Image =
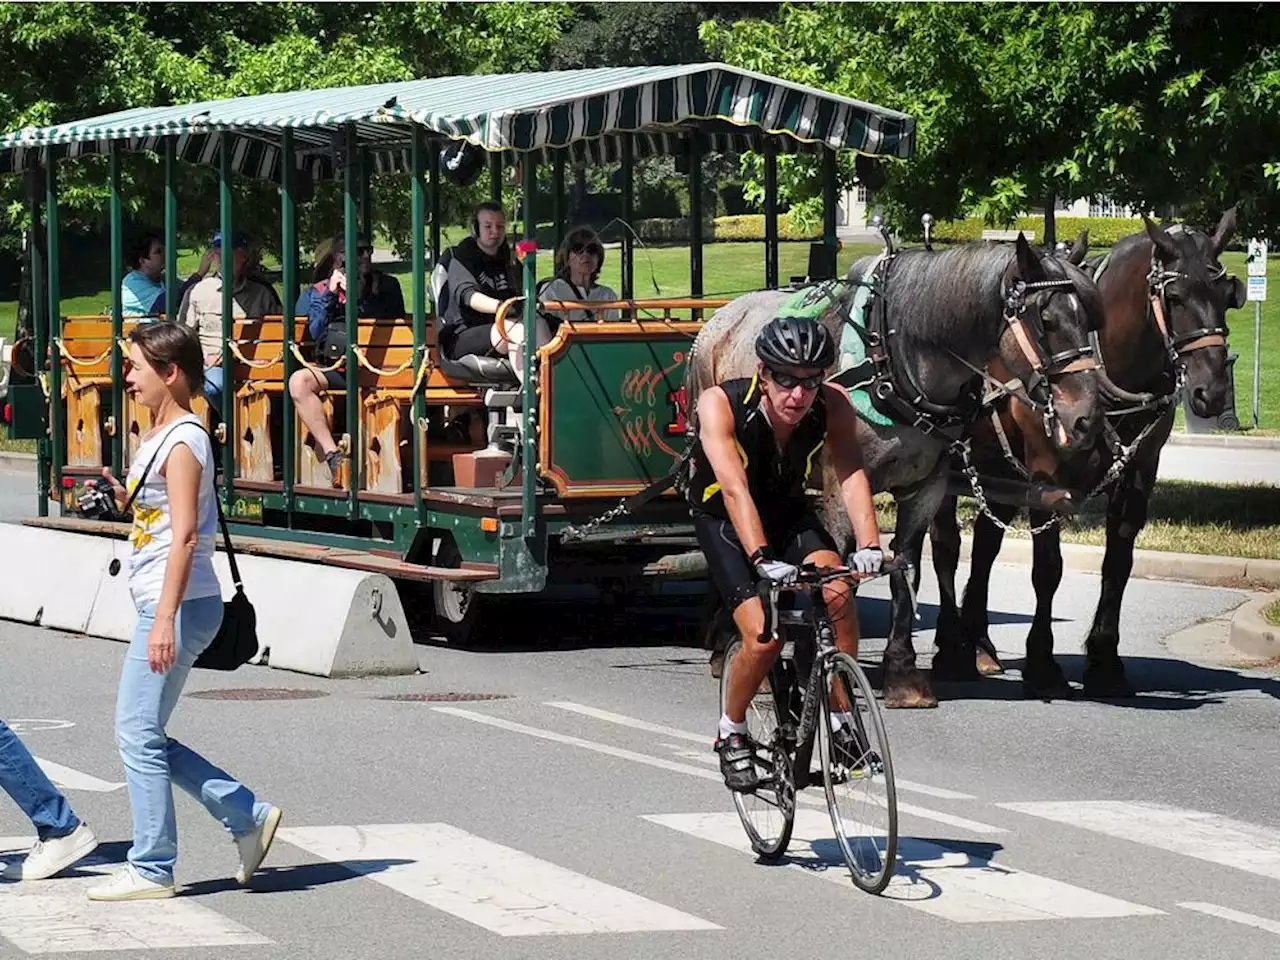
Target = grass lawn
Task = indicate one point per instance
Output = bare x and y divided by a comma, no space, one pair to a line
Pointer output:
21,446
1233,520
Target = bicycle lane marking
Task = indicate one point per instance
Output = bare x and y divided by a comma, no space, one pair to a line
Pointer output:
909,786
954,881
973,826
1235,916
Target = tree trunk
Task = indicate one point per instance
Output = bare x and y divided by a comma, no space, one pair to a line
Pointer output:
1050,222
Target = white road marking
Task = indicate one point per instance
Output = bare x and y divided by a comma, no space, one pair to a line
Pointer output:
501,889
55,916
1236,916
907,785
71,779
28,725
973,826
1191,833
945,882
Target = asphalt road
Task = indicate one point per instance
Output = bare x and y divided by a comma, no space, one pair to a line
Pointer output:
581,814
1220,464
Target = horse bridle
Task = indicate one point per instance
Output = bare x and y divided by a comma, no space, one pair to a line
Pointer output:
1045,367
1158,279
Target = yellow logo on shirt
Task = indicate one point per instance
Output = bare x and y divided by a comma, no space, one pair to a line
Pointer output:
144,520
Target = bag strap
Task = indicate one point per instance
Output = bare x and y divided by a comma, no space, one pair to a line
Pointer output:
222,521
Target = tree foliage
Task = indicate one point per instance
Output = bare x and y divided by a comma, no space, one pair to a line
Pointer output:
1156,105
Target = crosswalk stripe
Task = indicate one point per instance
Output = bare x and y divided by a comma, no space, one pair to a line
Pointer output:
70,778
973,826
948,882
56,916
501,889
1236,916
624,721
1191,833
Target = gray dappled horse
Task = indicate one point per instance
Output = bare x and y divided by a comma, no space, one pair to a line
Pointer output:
1166,295
946,315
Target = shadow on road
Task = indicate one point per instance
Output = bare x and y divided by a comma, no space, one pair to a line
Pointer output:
305,876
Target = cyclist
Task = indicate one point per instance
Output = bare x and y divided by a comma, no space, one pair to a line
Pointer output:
757,453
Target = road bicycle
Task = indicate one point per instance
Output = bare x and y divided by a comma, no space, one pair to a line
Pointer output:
811,682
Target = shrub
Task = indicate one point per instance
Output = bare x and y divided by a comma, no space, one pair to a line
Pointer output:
745,228
1103,231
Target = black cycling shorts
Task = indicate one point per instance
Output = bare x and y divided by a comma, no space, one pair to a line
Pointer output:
731,571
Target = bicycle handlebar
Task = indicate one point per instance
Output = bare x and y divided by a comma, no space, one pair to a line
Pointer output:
812,574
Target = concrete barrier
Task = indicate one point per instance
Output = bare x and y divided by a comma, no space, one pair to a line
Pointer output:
313,619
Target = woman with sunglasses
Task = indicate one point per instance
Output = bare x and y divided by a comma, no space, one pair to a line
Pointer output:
379,297
577,266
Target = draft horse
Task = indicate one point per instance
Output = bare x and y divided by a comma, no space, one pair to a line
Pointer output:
935,321
1166,296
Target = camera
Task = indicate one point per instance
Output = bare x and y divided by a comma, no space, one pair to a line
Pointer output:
98,502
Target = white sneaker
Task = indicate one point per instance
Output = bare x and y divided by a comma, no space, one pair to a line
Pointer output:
126,884
49,857
253,847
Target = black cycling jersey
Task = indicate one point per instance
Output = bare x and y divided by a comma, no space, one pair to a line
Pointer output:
776,478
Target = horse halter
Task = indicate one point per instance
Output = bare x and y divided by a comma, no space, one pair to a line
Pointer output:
1045,368
1158,279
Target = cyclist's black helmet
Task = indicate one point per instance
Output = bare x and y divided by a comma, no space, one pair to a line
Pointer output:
795,342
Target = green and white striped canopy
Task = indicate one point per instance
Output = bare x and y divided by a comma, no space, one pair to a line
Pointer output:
587,113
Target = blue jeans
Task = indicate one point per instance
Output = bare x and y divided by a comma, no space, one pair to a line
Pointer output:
154,762
213,381
22,779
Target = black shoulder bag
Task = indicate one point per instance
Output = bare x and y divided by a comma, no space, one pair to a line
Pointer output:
236,642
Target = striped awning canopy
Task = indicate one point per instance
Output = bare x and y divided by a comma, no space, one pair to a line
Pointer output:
584,112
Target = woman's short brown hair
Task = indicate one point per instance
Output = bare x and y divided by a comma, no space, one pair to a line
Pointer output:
579,237
164,343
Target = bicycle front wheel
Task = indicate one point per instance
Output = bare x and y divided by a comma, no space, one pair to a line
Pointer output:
857,772
769,812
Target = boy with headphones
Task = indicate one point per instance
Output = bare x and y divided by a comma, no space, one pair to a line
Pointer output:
479,274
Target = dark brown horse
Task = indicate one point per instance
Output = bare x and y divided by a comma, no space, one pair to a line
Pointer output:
1166,296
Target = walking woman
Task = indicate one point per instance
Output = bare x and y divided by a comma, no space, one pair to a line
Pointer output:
179,603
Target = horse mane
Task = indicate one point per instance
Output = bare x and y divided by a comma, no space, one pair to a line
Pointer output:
939,297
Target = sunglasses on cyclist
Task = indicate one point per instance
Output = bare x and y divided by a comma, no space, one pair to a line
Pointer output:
587,247
789,382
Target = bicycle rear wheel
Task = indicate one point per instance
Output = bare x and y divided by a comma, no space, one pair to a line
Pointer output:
768,813
861,796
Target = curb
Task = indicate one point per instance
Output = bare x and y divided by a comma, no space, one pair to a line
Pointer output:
1223,440
17,461
1147,564
1252,635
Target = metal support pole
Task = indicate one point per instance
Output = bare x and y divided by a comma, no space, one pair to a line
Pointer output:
829,188
351,163
228,277
419,314
57,409
495,177
771,215
289,278
366,195
171,303
529,439
1257,359
39,325
628,216
695,218
117,314
559,210
433,160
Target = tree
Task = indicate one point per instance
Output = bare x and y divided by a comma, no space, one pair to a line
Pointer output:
1155,105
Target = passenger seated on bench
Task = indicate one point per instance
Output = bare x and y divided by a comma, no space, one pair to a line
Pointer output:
142,291
478,275
578,264
378,298
201,308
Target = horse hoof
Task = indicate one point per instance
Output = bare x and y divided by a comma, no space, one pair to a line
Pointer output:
955,666
988,665
909,691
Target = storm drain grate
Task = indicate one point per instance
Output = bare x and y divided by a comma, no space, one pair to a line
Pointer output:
444,697
259,693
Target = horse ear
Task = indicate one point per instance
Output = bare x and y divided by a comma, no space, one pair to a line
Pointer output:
1226,228
1029,266
1164,243
1079,248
